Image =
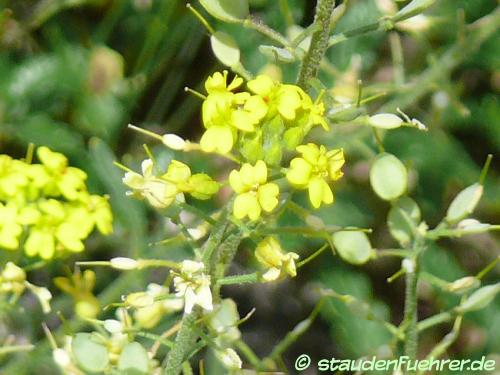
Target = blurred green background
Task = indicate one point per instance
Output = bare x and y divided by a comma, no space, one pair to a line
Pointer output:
74,73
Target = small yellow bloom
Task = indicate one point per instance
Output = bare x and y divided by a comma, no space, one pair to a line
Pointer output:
66,181
158,192
284,99
10,230
314,169
225,112
270,254
254,193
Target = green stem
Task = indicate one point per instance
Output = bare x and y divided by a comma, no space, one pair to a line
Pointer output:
261,27
478,33
443,317
319,43
294,334
184,342
409,324
15,348
249,354
410,319
239,279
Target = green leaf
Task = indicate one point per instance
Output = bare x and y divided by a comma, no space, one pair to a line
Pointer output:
42,130
388,177
276,54
227,10
89,354
134,360
225,48
403,219
353,247
464,203
130,212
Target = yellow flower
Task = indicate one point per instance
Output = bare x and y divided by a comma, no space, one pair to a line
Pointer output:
158,192
217,83
225,112
66,181
10,230
12,177
284,99
100,212
254,193
313,113
270,254
56,230
50,203
79,286
314,170
12,279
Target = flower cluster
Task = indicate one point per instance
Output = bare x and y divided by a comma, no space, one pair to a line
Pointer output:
162,190
262,121
45,208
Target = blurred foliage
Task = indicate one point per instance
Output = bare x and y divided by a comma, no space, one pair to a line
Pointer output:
73,74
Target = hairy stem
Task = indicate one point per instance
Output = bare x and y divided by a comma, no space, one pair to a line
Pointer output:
409,325
319,43
411,332
184,342
217,254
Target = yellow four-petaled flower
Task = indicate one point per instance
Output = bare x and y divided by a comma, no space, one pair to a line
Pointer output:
254,193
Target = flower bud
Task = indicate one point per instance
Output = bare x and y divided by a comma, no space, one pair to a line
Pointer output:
174,142
139,299
61,357
315,222
408,265
113,326
385,121
229,358
13,273
149,316
123,263
43,294
463,285
87,307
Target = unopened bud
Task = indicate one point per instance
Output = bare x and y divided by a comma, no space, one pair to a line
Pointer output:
229,359
174,142
315,222
113,326
61,357
122,263
139,300
13,273
408,265
463,285
385,121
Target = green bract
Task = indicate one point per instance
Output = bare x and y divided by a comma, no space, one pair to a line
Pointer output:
388,177
225,49
134,360
353,247
464,203
227,10
89,354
